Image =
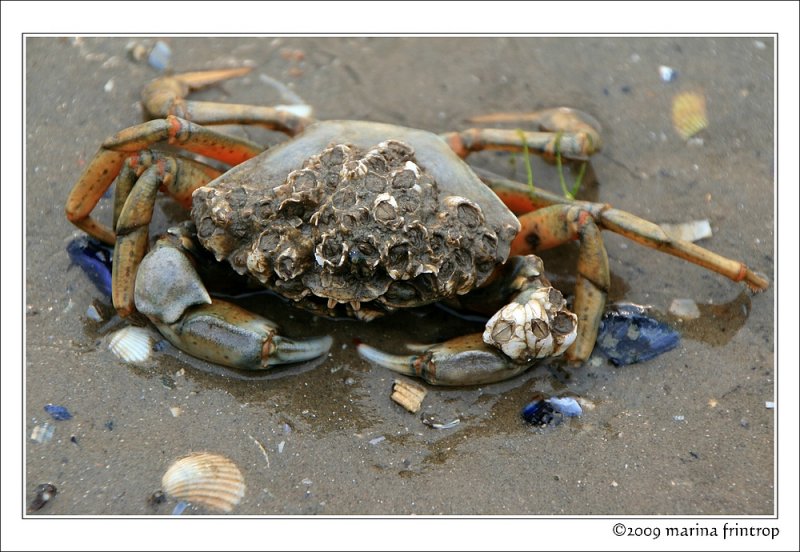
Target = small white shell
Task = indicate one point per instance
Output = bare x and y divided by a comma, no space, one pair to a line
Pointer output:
132,344
205,478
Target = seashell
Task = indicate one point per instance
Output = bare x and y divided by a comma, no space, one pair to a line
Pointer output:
132,344
42,433
688,231
43,494
628,335
408,394
689,114
95,260
58,412
206,479
538,413
566,406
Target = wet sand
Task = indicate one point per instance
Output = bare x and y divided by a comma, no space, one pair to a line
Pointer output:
687,433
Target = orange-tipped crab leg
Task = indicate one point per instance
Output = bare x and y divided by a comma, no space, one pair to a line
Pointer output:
632,227
107,163
554,225
570,132
166,96
571,145
192,175
653,236
171,294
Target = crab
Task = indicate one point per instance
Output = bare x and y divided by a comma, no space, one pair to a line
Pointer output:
359,219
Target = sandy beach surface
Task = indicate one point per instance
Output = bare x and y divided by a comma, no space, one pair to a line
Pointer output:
687,433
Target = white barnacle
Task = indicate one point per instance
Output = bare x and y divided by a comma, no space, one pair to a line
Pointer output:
354,169
257,264
411,166
506,330
385,207
328,249
385,197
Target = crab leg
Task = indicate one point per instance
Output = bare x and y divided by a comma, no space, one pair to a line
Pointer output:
558,220
140,179
171,294
565,130
557,224
107,163
533,326
521,200
165,96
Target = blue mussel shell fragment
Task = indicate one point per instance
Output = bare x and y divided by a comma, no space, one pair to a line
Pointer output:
58,412
95,260
627,335
538,413
541,412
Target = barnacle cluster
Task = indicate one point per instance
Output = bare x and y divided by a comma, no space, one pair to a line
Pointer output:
351,226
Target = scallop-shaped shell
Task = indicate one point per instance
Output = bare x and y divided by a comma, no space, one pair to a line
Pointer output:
689,114
205,478
132,344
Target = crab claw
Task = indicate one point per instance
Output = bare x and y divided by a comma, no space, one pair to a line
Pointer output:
464,360
171,294
227,334
534,326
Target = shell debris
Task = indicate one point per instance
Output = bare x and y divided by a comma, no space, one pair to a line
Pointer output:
408,394
689,114
42,433
207,479
132,344
688,231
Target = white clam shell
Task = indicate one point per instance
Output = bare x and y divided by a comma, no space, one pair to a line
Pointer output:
132,344
207,479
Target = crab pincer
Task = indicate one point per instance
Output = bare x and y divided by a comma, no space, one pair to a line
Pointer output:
534,326
170,293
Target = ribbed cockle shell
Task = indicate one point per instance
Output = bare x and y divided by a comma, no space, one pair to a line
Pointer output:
207,479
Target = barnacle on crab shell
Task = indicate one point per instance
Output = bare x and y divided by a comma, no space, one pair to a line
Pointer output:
352,225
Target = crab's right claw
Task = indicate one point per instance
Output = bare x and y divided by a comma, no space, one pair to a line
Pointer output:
534,326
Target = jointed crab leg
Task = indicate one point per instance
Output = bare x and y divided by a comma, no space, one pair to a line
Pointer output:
557,224
107,163
165,96
143,174
558,220
565,130
569,144
632,227
170,293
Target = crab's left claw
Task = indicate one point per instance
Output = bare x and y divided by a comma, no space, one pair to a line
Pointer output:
226,334
465,360
171,294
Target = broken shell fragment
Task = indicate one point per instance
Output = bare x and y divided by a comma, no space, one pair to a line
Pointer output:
42,495
132,344
688,231
408,394
206,479
42,433
689,114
